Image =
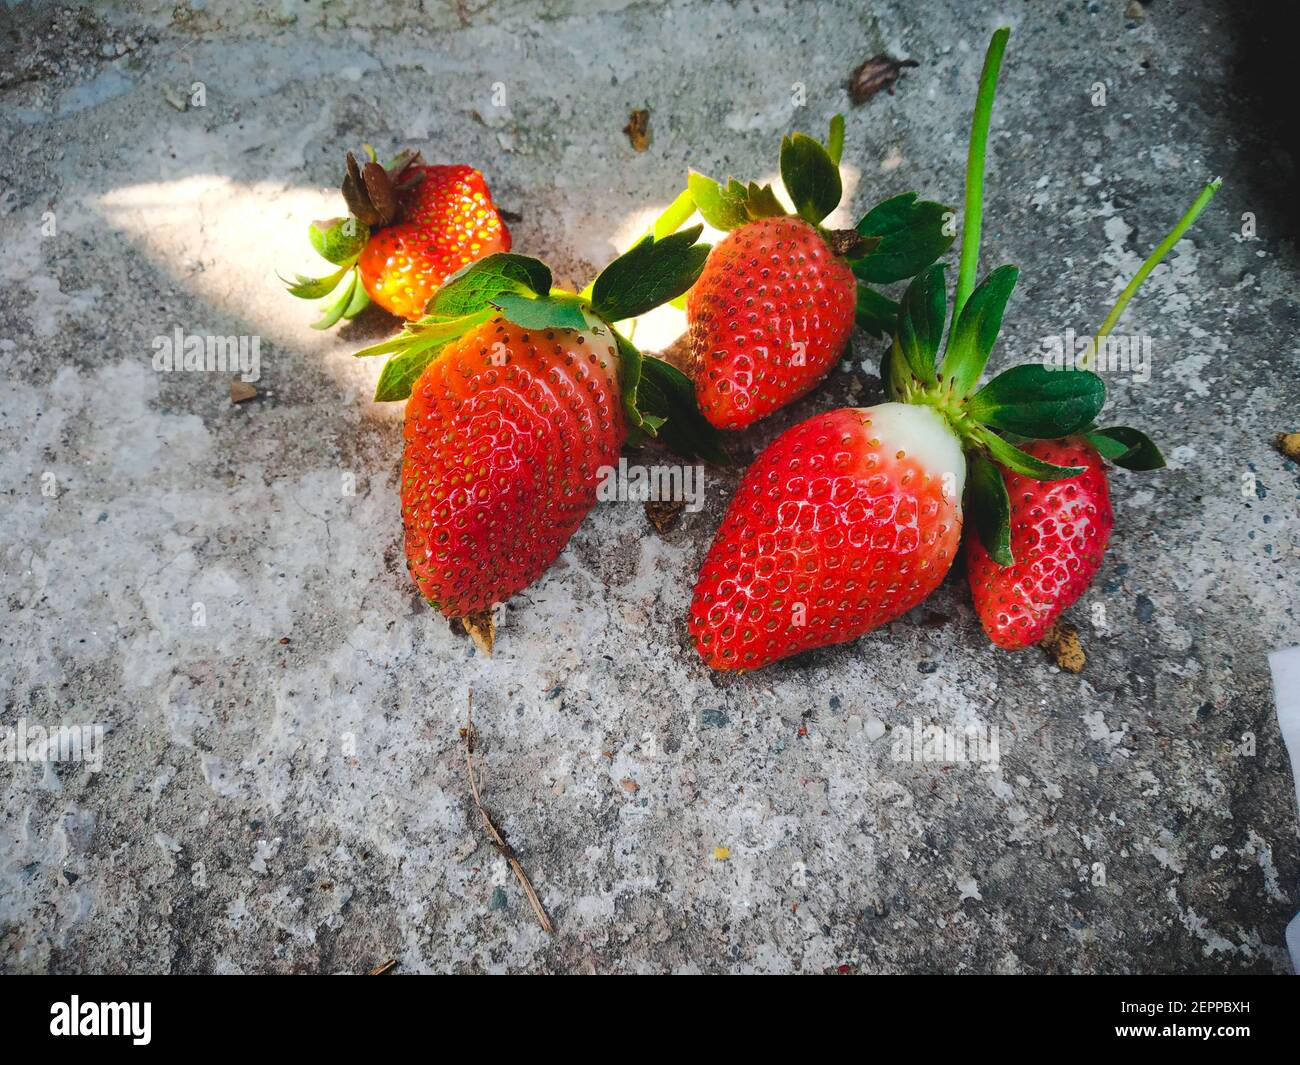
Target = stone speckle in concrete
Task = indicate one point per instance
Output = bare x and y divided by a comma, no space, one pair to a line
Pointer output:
283,788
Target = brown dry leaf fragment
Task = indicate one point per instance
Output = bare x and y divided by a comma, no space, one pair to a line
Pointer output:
629,785
638,129
1289,445
241,391
482,630
878,72
663,514
379,187
1062,645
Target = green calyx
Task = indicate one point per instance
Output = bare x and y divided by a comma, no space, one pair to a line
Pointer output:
658,400
338,241
372,192
1024,403
892,242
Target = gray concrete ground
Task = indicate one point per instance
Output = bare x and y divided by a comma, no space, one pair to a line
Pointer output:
222,587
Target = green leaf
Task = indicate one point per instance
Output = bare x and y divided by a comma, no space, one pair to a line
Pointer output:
339,240
651,273
877,315
911,236
473,287
340,306
761,202
1129,448
920,322
561,311
810,177
723,207
1022,462
1037,402
629,380
990,508
426,330
666,393
313,288
835,140
977,330
360,301
401,372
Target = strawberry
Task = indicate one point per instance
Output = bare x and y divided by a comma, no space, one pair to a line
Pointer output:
412,226
851,518
777,301
1059,532
447,221
520,394
769,316
843,523
505,434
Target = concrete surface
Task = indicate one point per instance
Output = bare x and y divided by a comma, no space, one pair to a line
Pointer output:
282,786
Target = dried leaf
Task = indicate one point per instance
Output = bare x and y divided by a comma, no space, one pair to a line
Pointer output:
1289,445
379,187
638,130
663,514
482,629
878,72
1062,645
241,391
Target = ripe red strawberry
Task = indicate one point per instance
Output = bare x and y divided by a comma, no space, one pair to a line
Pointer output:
506,431
1059,532
843,523
447,221
412,226
777,301
769,316
521,397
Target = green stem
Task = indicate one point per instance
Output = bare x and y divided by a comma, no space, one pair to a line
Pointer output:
669,222
674,215
1152,261
835,141
979,135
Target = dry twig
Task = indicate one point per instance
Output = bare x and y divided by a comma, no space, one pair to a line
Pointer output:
498,840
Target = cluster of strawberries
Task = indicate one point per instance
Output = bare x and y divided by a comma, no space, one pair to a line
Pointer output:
519,393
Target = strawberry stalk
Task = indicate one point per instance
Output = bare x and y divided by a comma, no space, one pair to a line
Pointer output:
979,136
1153,260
